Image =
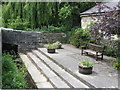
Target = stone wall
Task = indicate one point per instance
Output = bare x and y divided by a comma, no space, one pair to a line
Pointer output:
27,40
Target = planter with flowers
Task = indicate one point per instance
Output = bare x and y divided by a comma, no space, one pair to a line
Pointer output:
85,67
51,48
58,45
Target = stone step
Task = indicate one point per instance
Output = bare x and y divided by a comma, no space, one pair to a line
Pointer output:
55,80
39,80
67,77
52,57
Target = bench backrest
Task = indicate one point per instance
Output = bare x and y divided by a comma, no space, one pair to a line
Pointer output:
95,47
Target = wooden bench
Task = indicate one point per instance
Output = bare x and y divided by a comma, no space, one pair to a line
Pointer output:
93,49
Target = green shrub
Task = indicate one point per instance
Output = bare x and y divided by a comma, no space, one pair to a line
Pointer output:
51,29
57,43
110,51
18,24
80,37
117,63
12,77
55,29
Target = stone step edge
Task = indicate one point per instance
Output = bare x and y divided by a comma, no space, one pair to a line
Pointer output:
33,82
54,71
67,70
40,71
45,75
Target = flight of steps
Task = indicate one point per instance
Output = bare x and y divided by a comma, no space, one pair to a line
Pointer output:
47,74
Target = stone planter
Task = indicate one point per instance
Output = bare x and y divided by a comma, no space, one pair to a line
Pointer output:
85,70
51,50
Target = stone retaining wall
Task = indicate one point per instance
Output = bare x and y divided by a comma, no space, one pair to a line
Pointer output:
27,40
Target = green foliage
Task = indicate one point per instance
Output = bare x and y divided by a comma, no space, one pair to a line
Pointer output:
86,63
110,51
51,46
80,37
17,24
54,29
117,63
69,14
118,36
40,14
57,43
65,14
51,29
12,78
0,15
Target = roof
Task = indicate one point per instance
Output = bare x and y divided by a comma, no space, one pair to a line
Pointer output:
94,10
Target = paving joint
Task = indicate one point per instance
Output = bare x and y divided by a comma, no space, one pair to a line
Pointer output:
41,71
54,71
82,80
52,77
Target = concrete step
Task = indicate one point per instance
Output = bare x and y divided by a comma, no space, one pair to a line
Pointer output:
54,79
38,79
67,77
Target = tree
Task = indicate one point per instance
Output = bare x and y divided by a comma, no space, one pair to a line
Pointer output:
39,14
108,23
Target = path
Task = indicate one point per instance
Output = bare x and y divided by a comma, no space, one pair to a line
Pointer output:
61,69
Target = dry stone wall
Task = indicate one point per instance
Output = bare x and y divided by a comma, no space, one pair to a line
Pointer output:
27,40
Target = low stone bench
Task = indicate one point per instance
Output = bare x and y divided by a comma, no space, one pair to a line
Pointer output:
93,49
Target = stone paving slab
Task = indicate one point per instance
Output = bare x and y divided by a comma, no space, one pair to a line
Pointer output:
103,76
65,75
44,85
45,69
58,82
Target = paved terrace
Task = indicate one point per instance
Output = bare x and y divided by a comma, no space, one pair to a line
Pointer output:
103,76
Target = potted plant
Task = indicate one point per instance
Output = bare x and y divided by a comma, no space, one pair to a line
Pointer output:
58,45
51,48
85,67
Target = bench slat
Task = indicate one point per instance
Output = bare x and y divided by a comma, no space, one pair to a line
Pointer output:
92,52
94,49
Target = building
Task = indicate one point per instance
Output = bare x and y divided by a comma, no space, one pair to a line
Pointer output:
86,16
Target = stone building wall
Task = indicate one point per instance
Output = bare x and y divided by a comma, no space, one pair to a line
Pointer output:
27,40
86,20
